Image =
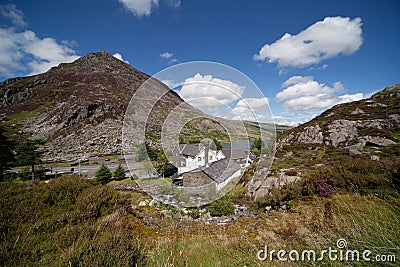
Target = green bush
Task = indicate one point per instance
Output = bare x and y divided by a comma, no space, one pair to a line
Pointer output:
103,175
355,175
278,196
222,207
25,174
119,173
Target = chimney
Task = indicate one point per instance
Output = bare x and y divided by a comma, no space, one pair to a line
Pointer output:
206,153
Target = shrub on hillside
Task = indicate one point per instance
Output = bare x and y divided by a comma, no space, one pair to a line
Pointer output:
119,173
103,175
277,196
322,188
291,172
354,175
222,207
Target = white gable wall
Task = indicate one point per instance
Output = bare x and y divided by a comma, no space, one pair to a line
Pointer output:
193,163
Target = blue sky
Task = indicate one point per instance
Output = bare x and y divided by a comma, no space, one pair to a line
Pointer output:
315,53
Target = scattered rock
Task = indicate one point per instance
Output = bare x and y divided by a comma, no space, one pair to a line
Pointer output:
358,111
166,213
153,202
143,203
378,141
177,216
374,157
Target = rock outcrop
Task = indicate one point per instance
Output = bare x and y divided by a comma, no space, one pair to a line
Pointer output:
354,125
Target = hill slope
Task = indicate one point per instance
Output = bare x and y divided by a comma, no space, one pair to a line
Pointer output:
364,130
356,126
78,109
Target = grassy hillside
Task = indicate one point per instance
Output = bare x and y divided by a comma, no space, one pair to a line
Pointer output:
73,222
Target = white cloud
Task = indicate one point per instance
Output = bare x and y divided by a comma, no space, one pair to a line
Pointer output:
119,56
172,61
10,11
139,8
253,103
293,118
22,50
322,40
171,84
303,94
166,55
288,123
207,92
173,3
253,109
297,79
349,98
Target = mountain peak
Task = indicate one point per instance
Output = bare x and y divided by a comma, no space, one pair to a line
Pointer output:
100,61
103,55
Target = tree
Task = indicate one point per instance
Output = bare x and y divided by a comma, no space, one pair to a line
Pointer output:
103,175
151,152
257,147
141,153
144,151
217,144
27,154
147,168
6,155
119,173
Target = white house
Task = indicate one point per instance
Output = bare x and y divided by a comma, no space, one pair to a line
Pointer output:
188,157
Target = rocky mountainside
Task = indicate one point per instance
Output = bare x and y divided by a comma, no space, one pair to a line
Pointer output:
368,129
78,108
356,126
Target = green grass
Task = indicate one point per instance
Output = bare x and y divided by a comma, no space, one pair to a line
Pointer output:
63,223
73,222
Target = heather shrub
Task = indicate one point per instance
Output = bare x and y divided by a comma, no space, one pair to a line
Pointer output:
353,175
62,223
291,172
222,207
322,188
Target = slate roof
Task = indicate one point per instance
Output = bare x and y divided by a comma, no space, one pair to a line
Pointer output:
221,170
235,153
190,149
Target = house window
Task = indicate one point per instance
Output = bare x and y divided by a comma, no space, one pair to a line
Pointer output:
199,158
